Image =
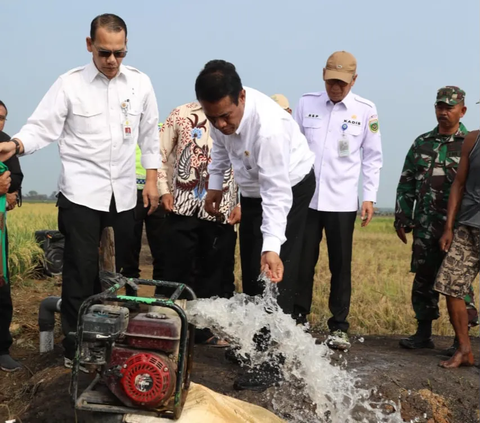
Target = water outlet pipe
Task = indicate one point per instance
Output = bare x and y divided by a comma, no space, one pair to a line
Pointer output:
46,322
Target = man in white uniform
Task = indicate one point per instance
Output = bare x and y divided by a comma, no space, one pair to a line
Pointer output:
98,113
342,130
272,166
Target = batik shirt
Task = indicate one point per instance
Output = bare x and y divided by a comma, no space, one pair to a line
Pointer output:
185,146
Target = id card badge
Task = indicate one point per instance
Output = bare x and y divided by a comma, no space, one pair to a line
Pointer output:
127,130
343,146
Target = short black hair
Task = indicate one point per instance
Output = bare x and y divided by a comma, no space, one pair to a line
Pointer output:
110,22
3,104
218,79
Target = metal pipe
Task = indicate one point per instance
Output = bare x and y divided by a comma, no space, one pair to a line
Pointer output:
46,322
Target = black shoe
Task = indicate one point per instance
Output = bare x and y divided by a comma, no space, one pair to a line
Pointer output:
232,356
300,319
257,380
8,364
415,342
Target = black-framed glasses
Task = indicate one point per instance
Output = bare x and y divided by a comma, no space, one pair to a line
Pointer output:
107,53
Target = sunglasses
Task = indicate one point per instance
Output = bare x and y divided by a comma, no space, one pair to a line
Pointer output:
107,53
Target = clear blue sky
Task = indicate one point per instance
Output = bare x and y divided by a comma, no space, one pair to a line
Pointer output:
405,50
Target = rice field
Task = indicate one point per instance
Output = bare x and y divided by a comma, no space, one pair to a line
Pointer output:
381,279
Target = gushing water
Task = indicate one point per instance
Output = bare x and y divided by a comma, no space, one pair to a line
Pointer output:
312,390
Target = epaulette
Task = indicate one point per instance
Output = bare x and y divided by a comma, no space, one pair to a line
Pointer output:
132,68
315,94
363,101
74,70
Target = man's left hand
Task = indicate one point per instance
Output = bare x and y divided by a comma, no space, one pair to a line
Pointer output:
272,265
150,196
235,215
367,213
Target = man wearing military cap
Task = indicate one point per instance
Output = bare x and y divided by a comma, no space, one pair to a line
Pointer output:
421,207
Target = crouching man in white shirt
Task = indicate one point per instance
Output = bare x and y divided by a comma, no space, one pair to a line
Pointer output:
98,113
273,167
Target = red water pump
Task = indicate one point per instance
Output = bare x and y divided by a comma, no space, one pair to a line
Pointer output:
142,360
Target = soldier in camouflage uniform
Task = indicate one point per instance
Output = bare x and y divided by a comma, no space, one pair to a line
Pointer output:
421,206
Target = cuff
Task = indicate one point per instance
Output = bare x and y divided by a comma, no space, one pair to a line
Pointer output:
369,196
216,182
271,243
151,161
29,145
163,188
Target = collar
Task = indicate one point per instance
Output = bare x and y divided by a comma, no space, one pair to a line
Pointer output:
347,101
247,111
194,106
91,72
462,132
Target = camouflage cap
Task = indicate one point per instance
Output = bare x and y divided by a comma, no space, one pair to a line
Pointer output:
450,95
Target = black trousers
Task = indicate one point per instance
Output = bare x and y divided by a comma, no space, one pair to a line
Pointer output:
128,255
228,279
200,254
6,309
82,228
251,241
339,228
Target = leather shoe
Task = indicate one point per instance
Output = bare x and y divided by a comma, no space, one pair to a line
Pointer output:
415,342
257,380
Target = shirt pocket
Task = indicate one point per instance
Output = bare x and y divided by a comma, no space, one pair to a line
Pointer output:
452,160
312,127
87,119
134,114
355,139
424,161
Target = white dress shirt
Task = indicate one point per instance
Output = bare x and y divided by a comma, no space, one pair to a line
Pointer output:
337,173
269,156
83,111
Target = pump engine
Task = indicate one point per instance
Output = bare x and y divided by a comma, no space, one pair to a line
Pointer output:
137,357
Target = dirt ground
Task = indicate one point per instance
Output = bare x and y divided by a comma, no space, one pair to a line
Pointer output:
427,393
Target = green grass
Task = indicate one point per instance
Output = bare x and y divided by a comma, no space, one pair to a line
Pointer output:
24,252
381,281
381,284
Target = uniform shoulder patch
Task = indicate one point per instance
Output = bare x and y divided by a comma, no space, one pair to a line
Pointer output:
373,124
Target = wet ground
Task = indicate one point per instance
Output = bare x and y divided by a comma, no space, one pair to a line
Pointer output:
426,392
413,379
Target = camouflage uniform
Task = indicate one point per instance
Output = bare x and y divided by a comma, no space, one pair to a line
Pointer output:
422,197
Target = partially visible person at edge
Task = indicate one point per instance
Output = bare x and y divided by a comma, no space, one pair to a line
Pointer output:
98,112
462,264
10,182
13,197
421,207
154,227
273,168
282,101
343,131
186,148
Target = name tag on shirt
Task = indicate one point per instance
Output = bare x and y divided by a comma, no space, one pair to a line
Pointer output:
343,146
127,130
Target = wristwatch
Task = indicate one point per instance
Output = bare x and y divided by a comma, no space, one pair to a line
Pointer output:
17,146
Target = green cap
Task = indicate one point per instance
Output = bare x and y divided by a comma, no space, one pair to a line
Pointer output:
450,95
